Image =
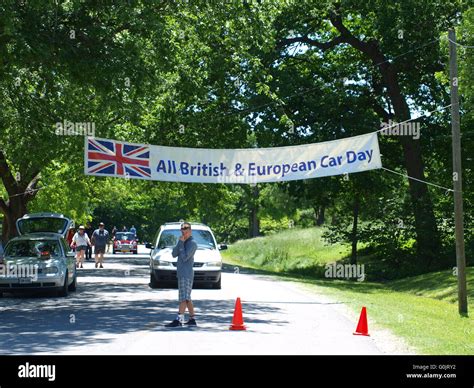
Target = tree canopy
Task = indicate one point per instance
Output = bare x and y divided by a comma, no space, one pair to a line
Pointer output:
238,74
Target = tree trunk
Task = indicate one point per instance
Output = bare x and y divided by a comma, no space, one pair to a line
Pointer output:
254,222
427,236
354,236
320,218
428,242
15,208
19,194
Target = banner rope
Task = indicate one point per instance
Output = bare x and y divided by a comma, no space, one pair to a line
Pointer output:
418,180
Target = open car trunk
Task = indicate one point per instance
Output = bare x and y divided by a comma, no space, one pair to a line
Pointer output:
43,222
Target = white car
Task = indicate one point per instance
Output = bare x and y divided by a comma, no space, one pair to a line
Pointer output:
39,258
207,259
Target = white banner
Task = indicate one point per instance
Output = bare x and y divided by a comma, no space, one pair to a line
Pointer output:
255,165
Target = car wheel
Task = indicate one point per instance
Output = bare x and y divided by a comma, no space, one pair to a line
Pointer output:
73,285
217,285
153,282
64,290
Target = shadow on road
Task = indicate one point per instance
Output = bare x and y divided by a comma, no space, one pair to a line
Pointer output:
108,304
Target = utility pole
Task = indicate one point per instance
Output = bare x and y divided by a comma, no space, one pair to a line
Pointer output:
457,176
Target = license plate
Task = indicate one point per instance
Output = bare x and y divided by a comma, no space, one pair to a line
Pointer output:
125,250
25,280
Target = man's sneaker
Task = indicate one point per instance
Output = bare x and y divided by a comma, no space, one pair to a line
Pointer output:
174,323
191,322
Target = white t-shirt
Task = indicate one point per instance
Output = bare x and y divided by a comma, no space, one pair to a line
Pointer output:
81,240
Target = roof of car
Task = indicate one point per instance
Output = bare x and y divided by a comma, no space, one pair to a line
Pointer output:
194,225
43,214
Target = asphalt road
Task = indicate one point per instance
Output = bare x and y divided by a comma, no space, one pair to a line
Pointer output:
115,312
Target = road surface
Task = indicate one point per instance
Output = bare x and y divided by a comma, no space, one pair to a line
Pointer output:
115,312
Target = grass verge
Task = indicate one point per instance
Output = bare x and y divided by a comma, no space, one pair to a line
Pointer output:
420,309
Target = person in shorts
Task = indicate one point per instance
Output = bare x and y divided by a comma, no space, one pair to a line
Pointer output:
80,241
100,238
184,250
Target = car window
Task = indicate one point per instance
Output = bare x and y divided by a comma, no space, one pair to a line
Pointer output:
169,238
124,236
32,248
46,224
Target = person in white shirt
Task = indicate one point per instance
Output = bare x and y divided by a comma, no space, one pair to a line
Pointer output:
81,242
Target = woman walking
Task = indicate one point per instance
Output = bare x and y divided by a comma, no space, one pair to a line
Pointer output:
81,242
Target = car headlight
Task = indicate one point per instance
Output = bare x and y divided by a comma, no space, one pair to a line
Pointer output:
213,264
162,263
50,270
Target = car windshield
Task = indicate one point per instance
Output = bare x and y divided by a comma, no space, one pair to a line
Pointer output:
42,224
32,248
169,238
124,236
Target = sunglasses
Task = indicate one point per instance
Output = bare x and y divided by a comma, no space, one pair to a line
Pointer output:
185,228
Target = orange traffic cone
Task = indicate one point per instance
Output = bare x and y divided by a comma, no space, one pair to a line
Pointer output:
237,320
362,327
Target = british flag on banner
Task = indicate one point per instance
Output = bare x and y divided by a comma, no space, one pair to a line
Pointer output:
117,159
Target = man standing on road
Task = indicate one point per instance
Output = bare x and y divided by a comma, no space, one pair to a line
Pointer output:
185,250
100,237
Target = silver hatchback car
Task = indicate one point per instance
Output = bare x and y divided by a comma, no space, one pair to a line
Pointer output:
39,258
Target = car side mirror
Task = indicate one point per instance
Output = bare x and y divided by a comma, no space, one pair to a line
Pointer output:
149,246
222,247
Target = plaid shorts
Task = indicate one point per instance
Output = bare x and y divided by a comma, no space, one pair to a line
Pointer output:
185,286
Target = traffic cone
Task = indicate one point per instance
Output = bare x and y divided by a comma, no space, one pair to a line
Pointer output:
237,320
362,327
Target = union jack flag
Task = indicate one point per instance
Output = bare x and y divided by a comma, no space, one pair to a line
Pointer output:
110,158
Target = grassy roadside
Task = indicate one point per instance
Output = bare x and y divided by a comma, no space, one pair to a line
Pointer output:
420,309
299,251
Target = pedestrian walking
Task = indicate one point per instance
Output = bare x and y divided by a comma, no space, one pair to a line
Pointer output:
70,234
80,241
110,244
100,238
89,231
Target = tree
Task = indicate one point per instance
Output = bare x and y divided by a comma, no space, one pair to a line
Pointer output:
65,61
379,31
